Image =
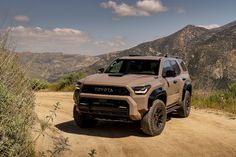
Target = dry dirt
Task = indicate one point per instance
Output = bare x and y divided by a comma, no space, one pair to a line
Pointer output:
202,134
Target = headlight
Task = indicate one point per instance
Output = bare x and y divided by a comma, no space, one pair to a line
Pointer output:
141,89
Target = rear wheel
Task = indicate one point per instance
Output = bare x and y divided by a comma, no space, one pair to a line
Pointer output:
83,121
154,121
184,110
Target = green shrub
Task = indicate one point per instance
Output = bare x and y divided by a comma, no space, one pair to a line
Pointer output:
68,89
38,84
67,82
221,99
217,97
232,90
16,108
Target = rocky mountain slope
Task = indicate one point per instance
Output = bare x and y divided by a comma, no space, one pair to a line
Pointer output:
209,54
51,66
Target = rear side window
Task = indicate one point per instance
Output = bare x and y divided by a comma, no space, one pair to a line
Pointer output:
183,66
175,66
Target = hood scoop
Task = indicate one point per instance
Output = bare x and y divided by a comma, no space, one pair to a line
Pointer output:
117,74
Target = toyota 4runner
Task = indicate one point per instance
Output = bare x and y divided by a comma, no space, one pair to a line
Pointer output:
136,88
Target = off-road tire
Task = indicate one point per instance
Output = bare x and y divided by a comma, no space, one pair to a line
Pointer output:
185,108
83,121
154,120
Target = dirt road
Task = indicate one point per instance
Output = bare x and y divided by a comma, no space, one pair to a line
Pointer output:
202,134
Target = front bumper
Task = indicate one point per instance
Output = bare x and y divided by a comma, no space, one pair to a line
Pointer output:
133,112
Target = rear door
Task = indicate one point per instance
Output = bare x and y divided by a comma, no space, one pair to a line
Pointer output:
173,83
177,80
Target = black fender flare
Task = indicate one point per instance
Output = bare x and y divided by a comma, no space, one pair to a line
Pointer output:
156,93
187,87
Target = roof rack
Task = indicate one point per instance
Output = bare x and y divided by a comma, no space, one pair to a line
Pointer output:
167,55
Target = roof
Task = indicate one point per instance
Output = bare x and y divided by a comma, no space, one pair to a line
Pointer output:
142,57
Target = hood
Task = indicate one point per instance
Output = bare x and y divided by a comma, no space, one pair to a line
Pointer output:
123,80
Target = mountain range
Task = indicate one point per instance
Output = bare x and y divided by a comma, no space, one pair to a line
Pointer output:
52,66
210,55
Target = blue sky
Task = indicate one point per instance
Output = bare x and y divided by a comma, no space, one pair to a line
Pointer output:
101,26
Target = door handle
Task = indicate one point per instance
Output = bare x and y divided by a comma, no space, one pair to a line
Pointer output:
175,81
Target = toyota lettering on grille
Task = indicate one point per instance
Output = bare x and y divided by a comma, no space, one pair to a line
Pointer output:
105,90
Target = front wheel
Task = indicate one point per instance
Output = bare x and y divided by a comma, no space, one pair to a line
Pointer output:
83,121
154,121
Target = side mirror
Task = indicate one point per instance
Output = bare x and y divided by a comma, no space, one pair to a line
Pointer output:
77,85
101,70
170,73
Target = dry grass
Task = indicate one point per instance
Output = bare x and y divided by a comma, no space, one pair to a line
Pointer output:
224,100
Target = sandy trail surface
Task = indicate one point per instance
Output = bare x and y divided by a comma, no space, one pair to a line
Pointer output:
204,133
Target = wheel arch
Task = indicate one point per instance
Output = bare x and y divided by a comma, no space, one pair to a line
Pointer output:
76,96
160,94
187,87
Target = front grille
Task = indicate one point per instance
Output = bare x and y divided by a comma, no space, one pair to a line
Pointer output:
107,107
108,90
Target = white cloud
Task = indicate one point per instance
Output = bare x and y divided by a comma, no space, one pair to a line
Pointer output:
66,31
21,18
141,8
37,39
66,40
112,45
211,26
151,6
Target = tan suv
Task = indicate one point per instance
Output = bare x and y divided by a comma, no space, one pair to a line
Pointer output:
136,88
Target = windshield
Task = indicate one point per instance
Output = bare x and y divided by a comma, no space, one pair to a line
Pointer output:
128,66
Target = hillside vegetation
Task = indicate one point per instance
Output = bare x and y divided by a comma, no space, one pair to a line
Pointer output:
16,107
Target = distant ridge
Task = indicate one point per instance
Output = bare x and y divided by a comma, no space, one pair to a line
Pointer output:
51,66
209,53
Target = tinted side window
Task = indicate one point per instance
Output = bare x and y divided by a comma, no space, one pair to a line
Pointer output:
167,66
183,66
175,67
